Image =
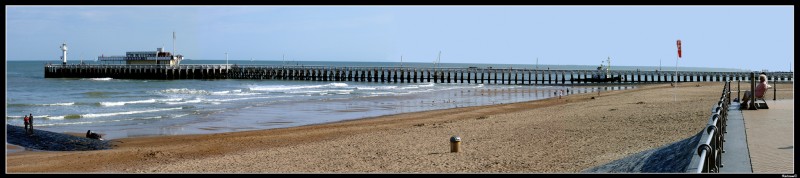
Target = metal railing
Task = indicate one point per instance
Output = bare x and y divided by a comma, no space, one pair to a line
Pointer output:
711,146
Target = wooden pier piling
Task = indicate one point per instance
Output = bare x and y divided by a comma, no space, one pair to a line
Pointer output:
386,74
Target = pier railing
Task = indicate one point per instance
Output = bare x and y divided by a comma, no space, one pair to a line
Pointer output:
711,147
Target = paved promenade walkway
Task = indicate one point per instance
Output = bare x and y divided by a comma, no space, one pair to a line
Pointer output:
770,137
736,158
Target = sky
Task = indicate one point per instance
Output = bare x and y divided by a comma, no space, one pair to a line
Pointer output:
739,37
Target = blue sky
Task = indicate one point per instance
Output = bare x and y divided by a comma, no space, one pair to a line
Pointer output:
747,37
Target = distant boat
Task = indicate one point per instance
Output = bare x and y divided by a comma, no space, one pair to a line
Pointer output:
437,74
598,78
602,75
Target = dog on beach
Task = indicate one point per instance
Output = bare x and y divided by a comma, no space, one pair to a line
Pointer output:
91,135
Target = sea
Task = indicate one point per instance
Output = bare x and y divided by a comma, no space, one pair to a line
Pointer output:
121,108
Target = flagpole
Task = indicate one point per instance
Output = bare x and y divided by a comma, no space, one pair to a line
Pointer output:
675,78
675,81
676,72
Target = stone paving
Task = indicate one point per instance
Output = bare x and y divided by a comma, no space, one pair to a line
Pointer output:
770,137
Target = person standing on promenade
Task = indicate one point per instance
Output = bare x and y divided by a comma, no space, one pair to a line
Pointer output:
27,122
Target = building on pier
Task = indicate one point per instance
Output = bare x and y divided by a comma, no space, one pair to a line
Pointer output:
158,57
146,57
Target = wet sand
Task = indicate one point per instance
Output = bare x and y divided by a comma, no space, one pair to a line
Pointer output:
13,148
548,136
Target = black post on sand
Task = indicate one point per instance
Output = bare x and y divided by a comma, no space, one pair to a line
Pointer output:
774,90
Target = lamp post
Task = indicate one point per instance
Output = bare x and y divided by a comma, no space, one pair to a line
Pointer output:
226,58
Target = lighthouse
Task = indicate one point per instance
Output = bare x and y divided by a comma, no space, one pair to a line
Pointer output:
64,56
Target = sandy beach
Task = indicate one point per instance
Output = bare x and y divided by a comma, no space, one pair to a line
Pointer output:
548,136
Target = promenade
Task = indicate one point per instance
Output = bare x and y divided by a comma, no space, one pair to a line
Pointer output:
770,137
760,141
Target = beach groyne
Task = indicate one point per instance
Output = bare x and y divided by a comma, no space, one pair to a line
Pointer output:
514,76
51,141
672,158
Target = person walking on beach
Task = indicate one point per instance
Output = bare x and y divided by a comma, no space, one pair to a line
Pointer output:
27,122
30,121
560,93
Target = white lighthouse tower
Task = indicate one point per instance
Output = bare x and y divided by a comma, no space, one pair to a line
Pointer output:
64,56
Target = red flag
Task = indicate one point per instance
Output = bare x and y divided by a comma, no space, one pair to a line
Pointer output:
679,48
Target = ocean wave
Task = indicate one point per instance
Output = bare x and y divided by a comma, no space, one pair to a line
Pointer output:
387,87
377,88
196,100
244,94
98,121
338,84
270,88
40,116
220,92
127,112
178,115
28,105
306,91
171,99
143,118
18,105
69,123
237,92
427,85
55,118
120,103
339,92
322,92
381,93
184,91
98,79
279,88
60,104
35,117
101,94
236,99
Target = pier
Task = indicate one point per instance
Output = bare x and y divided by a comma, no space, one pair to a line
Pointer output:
509,76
